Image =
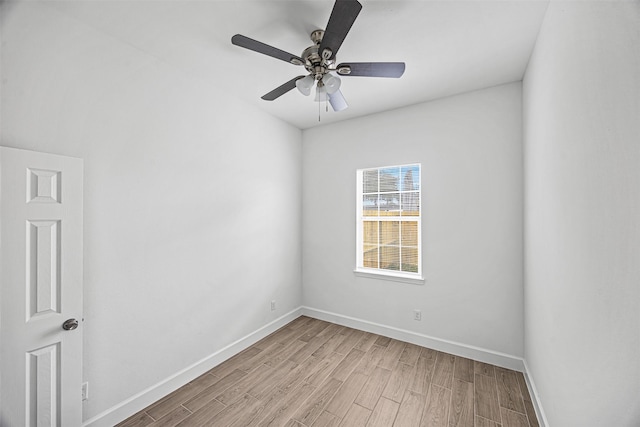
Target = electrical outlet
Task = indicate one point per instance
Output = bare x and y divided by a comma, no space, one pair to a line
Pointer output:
85,391
273,305
417,314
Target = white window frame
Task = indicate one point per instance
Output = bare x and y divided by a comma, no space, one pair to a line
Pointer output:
378,273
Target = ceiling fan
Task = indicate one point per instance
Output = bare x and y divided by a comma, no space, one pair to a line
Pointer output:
320,59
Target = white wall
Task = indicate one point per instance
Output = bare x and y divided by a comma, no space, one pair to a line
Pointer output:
582,232
192,199
470,148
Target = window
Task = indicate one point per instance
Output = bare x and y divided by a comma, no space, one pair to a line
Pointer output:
388,221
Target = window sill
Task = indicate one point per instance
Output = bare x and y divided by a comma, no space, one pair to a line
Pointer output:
414,280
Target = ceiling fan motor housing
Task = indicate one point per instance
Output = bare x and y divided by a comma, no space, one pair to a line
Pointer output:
317,63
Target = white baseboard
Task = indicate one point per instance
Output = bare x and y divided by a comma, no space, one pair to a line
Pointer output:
459,349
154,393
464,350
136,403
537,405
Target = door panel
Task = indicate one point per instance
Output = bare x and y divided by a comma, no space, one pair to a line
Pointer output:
40,288
43,268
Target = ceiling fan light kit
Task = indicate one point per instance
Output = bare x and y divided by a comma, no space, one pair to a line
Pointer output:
319,59
332,83
305,84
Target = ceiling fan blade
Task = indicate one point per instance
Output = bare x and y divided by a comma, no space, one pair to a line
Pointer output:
337,101
371,69
342,17
256,46
281,90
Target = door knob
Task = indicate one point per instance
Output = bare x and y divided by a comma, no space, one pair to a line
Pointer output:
70,324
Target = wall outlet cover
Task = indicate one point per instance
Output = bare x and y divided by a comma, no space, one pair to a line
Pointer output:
85,391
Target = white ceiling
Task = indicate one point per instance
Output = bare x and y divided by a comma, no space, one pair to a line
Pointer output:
449,46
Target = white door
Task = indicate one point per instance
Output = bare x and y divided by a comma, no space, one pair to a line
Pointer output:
40,289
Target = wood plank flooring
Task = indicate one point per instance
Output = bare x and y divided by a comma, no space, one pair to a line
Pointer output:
312,373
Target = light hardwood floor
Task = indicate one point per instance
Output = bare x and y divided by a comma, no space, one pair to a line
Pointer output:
312,373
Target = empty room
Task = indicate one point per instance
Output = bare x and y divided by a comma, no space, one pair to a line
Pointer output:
319,213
